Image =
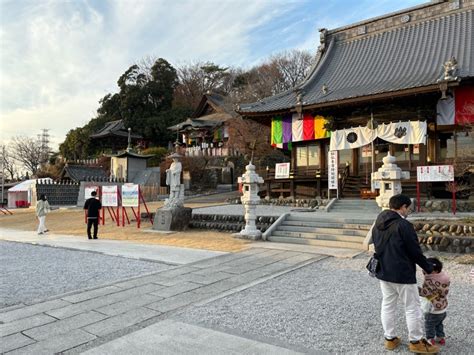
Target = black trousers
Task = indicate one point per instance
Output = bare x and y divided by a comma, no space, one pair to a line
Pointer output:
92,222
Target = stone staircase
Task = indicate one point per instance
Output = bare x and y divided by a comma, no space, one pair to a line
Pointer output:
356,206
321,230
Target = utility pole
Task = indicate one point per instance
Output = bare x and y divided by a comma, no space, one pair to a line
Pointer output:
3,180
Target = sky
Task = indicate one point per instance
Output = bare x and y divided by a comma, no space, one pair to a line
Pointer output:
58,58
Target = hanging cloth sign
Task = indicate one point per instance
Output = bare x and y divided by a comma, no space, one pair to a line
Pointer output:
308,127
296,128
277,131
464,98
287,122
445,111
319,130
351,138
411,132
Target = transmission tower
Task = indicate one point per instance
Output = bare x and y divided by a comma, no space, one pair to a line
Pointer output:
45,150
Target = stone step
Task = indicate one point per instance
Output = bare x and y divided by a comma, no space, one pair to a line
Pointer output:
331,219
317,242
333,237
319,230
354,208
326,225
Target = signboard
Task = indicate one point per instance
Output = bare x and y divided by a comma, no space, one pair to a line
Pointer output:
435,173
366,151
282,171
109,196
130,195
88,190
416,149
333,163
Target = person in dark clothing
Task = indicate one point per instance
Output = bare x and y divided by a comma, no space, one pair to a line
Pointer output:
398,251
93,207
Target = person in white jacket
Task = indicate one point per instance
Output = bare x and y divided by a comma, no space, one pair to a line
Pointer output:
42,209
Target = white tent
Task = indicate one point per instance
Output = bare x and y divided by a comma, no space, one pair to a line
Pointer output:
24,192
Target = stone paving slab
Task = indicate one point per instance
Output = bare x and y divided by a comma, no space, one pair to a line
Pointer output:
118,322
64,325
172,337
56,344
83,296
98,302
14,341
128,304
25,323
32,310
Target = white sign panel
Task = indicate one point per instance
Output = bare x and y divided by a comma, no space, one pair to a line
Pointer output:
88,190
333,163
130,195
109,196
435,173
282,171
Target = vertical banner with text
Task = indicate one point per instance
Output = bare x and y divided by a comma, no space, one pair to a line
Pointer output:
333,163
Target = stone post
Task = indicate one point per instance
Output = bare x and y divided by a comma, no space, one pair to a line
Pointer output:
389,177
250,200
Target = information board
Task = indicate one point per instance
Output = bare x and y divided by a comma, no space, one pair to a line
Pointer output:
109,196
282,171
333,163
433,173
89,189
130,195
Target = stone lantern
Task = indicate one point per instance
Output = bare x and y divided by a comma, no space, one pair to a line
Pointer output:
250,200
389,177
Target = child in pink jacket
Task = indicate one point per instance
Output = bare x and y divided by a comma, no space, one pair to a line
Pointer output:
435,289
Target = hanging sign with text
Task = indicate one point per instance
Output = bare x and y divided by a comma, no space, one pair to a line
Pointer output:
333,163
109,196
433,173
282,171
130,195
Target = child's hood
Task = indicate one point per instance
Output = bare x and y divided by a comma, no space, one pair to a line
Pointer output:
441,277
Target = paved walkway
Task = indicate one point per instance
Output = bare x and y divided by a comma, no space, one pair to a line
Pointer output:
127,249
84,320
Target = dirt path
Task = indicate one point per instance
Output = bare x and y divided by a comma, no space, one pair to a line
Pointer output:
71,222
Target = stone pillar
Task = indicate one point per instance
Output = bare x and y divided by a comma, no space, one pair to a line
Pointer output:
389,177
250,200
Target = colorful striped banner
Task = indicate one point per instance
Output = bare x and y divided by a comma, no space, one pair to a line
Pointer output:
292,128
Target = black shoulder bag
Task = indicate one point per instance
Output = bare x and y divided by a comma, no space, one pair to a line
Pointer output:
374,263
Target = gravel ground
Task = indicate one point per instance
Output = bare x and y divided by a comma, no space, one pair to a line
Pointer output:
331,306
33,272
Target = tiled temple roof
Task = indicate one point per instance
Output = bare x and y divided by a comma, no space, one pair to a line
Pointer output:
359,65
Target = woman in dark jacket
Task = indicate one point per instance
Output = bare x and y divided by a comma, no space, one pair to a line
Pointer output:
398,251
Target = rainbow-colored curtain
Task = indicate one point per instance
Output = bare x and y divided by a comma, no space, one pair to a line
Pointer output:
291,128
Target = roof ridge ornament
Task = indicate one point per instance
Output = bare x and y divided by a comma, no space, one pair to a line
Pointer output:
450,68
323,33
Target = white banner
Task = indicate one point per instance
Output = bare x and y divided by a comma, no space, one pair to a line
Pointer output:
333,163
432,173
282,171
130,195
109,196
352,138
89,189
411,132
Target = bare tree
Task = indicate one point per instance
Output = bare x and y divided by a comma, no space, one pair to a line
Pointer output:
8,161
280,72
28,152
199,78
